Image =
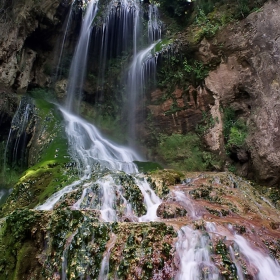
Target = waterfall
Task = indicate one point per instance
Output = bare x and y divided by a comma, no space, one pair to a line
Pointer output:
195,261
110,187
79,61
66,28
119,25
142,66
18,135
88,147
154,24
266,267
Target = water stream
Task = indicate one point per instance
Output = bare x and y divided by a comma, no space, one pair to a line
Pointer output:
79,62
17,140
109,181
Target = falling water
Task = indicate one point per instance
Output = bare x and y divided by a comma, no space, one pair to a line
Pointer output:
112,37
151,200
66,31
266,267
102,164
79,62
17,139
104,269
142,66
154,24
195,261
88,147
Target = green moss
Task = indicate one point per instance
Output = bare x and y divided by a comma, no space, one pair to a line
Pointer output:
16,243
133,194
51,168
185,152
235,130
26,262
147,166
229,269
164,43
143,249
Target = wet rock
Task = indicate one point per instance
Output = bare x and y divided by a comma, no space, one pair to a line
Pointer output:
169,210
60,88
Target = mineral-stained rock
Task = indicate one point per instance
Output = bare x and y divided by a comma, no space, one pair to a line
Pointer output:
248,81
171,210
182,112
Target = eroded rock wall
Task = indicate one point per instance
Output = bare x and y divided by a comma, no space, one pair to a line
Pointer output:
25,24
248,81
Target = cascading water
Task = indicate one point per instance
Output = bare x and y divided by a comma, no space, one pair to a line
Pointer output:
18,135
193,253
154,24
58,70
113,36
142,66
142,69
111,189
79,61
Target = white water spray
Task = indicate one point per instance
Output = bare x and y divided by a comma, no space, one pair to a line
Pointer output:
194,257
79,62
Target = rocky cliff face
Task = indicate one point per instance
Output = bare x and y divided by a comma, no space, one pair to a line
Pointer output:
29,28
245,81
248,80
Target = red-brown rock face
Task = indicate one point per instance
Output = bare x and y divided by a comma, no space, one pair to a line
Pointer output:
248,81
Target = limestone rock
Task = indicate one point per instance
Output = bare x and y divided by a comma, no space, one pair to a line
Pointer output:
248,80
60,88
182,112
18,51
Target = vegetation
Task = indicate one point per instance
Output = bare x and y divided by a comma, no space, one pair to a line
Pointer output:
235,130
185,152
176,71
51,167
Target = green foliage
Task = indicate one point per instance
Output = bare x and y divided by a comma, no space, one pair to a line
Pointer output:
239,8
184,152
207,27
238,134
206,6
228,120
147,166
196,69
175,8
235,130
206,123
42,94
178,71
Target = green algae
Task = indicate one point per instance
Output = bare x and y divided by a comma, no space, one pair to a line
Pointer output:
74,242
133,194
147,166
142,250
51,167
162,45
